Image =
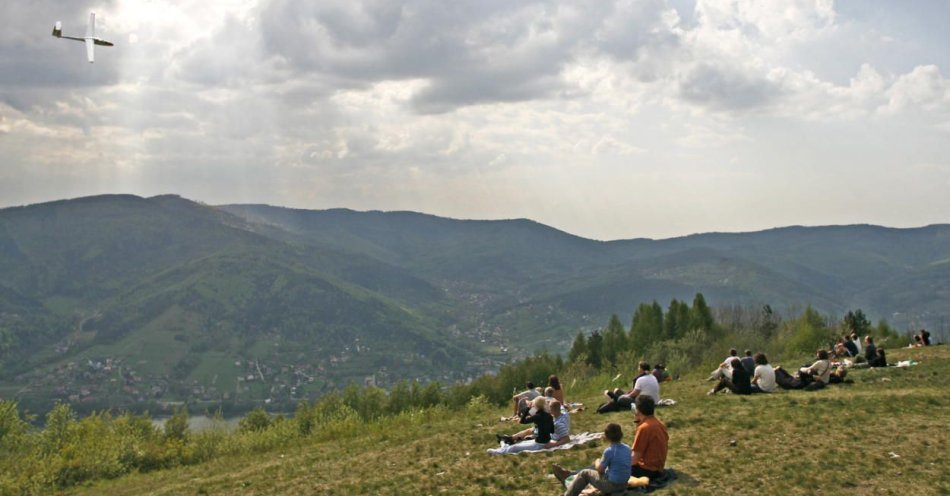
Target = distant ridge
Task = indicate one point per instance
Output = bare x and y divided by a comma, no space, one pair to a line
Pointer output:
179,292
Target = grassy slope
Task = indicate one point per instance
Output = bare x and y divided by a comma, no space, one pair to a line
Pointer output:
836,440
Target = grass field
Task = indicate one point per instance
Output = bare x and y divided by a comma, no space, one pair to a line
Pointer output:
886,433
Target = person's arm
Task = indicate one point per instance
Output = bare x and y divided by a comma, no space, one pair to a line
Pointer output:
563,440
635,458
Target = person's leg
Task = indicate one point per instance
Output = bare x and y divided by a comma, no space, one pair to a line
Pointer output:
522,435
581,480
638,471
607,487
723,384
529,445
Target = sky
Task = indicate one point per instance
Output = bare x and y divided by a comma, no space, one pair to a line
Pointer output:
605,119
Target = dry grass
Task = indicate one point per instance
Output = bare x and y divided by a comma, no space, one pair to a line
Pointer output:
836,440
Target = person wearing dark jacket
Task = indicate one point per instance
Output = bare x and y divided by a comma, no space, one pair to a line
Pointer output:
872,355
544,427
740,382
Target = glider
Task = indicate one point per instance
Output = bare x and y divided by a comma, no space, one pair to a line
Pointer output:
90,39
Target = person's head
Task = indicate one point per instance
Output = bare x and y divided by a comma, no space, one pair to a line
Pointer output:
918,338
539,403
645,405
841,372
822,354
868,339
748,353
613,433
555,407
735,363
840,340
554,382
549,392
733,352
529,385
847,337
760,359
659,366
644,367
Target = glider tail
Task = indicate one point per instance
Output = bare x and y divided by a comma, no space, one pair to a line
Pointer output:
91,27
58,29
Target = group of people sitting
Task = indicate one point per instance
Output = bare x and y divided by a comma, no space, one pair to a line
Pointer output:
548,413
645,458
753,374
645,383
849,346
922,338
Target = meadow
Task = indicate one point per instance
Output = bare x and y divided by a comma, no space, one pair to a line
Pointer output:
884,433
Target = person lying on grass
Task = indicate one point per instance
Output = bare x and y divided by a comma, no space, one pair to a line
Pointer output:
738,384
561,434
763,378
644,384
609,473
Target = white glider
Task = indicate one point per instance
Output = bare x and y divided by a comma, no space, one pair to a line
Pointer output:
90,39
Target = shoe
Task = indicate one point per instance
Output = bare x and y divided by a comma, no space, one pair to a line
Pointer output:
508,440
560,473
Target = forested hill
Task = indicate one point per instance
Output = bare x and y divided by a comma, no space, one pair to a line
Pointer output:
118,297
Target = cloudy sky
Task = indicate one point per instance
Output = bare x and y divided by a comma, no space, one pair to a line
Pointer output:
607,119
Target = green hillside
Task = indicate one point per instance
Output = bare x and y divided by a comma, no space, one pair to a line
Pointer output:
121,300
881,434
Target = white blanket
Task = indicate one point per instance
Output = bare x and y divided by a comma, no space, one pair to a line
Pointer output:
576,440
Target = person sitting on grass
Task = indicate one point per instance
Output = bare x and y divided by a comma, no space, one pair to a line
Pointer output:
659,371
817,375
609,473
725,368
748,362
542,432
523,399
850,346
554,382
650,443
561,434
739,384
644,384
874,357
763,379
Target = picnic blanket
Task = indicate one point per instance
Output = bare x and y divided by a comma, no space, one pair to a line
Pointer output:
636,485
576,440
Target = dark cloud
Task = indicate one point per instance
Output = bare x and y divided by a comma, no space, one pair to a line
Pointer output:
726,88
470,51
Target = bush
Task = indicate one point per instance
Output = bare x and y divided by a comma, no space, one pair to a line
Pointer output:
256,420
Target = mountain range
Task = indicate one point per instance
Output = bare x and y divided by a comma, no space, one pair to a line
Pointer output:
119,299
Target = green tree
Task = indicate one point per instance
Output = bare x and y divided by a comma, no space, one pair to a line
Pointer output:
595,350
256,420
578,349
700,316
677,320
615,339
856,321
176,427
646,328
